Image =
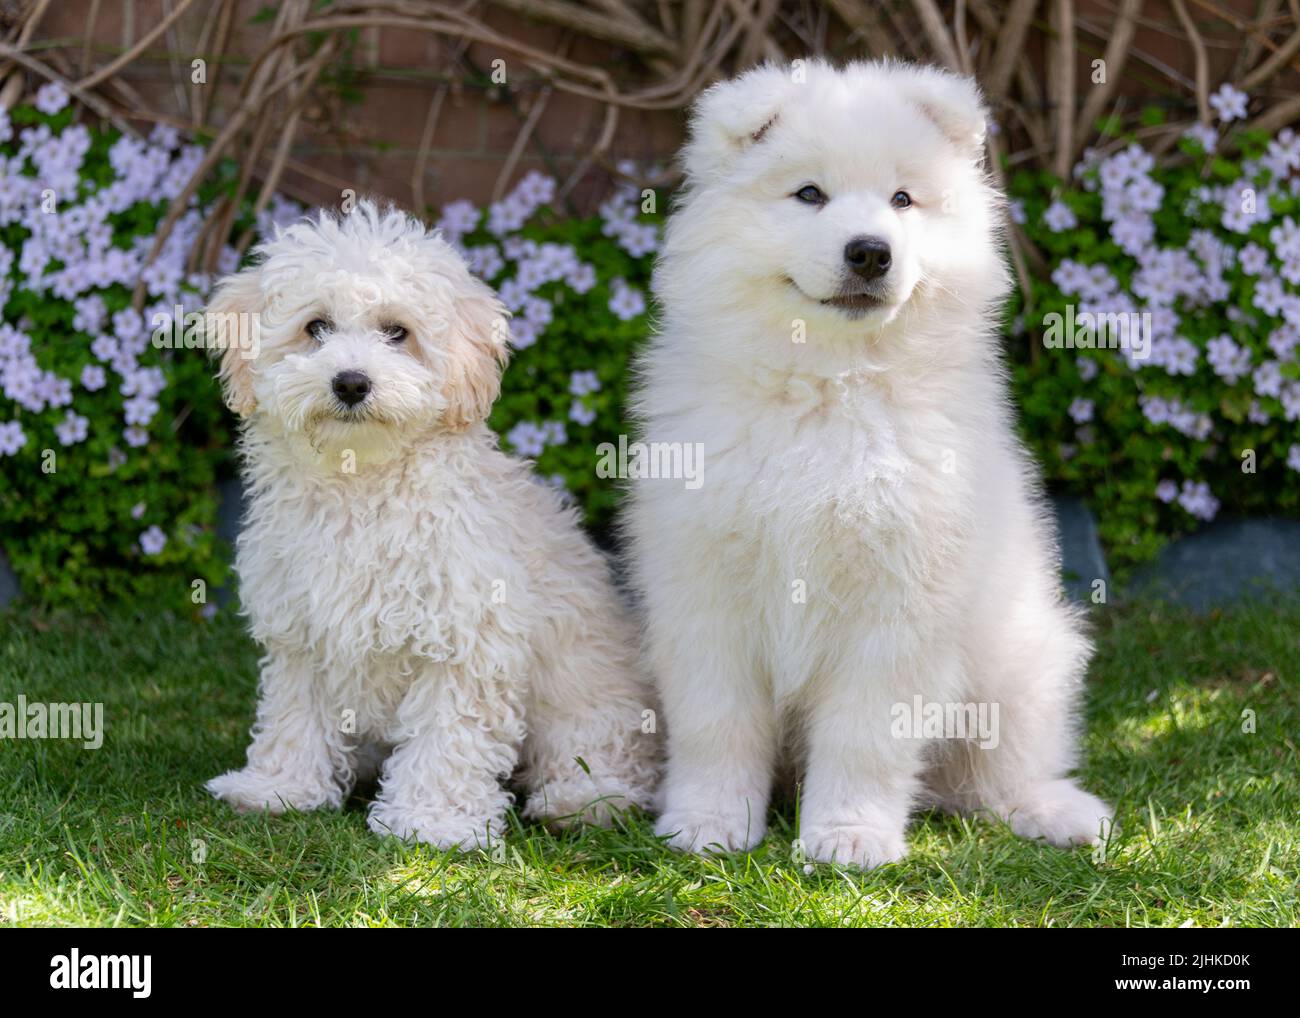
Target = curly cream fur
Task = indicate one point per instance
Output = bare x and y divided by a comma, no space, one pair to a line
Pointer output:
418,596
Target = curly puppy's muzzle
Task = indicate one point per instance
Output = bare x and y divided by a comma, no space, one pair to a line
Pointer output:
351,387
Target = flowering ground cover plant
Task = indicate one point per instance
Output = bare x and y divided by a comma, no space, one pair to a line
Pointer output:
109,445
1206,418
577,288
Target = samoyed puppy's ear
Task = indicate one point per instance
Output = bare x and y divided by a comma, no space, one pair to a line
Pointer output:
231,328
952,102
476,351
731,117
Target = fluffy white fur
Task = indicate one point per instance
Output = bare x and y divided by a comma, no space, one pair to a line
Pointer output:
418,596
865,457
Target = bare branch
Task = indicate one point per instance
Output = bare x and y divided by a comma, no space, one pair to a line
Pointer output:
935,30
1277,60
1116,54
142,44
636,35
1202,61
1011,43
1061,80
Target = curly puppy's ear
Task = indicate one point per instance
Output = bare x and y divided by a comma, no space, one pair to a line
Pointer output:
731,117
231,325
952,102
476,352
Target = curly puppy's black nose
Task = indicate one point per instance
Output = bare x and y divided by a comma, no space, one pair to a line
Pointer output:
351,387
867,256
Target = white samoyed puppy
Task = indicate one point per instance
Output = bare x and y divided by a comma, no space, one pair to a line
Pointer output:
867,566
419,598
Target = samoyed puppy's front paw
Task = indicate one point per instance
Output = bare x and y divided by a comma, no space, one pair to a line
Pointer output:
445,831
708,833
250,791
860,845
1059,812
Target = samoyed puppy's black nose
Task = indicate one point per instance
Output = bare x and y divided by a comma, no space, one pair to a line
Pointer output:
351,387
867,256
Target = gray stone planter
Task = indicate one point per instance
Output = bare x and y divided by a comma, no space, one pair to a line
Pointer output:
1229,560
1082,561
8,581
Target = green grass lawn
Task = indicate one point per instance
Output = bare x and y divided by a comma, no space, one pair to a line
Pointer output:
125,835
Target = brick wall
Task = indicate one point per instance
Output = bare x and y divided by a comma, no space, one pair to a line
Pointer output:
371,146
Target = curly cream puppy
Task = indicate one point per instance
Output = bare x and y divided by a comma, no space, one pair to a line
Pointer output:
417,595
869,541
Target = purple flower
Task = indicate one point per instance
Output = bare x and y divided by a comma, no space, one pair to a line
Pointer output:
538,311
12,438
1229,103
523,333
72,429
1059,217
104,347
93,378
1197,500
1204,135
1229,361
581,278
50,98
580,413
153,540
1254,259
625,301
458,218
554,432
139,410
583,382
485,260
527,438
1268,379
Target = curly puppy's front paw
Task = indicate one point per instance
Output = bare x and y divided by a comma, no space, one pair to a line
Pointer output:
707,833
445,831
250,791
563,803
854,845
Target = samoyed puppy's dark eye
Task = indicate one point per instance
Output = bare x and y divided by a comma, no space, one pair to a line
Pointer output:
811,194
395,333
317,328
901,200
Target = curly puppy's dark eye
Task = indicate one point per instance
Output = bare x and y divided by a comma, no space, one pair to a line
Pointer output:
811,194
317,328
395,333
901,200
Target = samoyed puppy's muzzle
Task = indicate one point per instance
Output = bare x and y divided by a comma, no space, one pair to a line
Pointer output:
855,259
865,277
